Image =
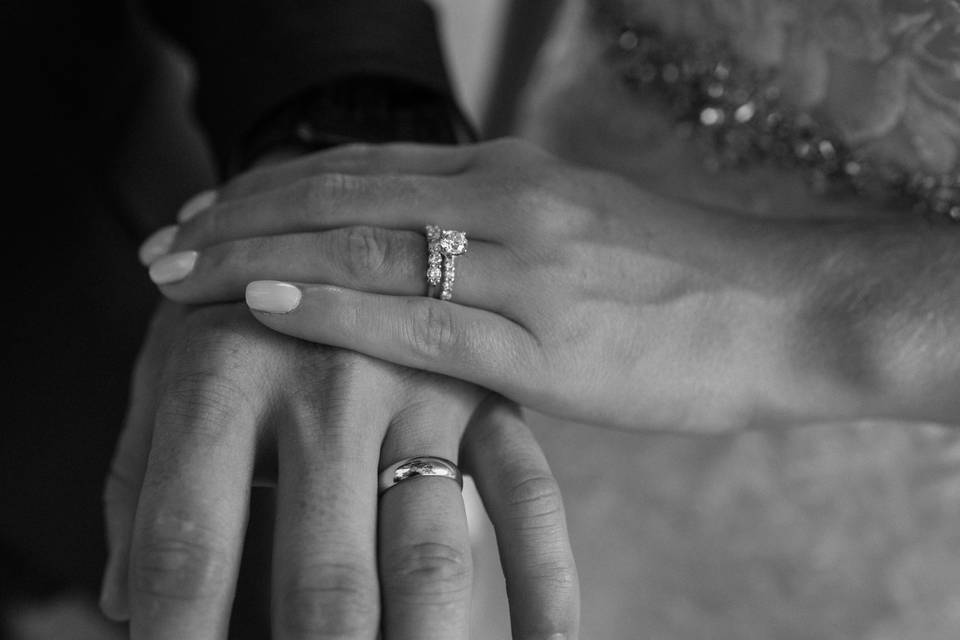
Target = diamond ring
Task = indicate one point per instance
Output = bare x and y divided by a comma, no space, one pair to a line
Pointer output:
443,247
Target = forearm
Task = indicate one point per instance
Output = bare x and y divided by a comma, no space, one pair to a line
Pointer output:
867,316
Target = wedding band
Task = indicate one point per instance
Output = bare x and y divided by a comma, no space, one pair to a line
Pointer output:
443,247
418,467
434,256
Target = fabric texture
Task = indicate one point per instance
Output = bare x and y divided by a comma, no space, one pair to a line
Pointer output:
255,55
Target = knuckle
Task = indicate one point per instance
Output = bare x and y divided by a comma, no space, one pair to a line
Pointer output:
330,600
203,403
347,369
176,560
365,252
342,386
433,332
429,571
327,192
537,496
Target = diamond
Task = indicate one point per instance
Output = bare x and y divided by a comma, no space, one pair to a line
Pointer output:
433,275
453,243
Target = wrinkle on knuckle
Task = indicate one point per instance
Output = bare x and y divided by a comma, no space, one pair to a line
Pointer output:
560,574
535,498
433,331
365,253
430,571
218,343
203,403
176,559
330,600
325,194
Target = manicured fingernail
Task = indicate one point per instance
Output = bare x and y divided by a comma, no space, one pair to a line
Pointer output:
173,267
157,245
271,296
196,204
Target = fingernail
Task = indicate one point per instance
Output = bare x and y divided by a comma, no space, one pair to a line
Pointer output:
173,267
157,245
271,296
196,204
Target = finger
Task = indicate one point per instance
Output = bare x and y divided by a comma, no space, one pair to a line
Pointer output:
191,516
364,258
424,333
400,157
329,201
522,498
123,488
325,573
425,563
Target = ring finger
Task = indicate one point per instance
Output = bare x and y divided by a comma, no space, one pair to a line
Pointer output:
369,259
425,563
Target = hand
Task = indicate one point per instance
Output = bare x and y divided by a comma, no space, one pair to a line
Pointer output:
581,295
217,398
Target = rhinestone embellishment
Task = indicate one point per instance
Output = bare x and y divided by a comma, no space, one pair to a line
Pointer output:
738,113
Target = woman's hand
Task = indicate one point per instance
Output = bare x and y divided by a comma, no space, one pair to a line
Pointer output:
218,399
580,295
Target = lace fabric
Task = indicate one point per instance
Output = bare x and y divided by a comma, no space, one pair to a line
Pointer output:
862,95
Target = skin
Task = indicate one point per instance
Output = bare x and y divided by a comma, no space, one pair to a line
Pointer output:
220,402
588,298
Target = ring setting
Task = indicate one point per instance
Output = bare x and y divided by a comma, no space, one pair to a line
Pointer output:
443,247
418,467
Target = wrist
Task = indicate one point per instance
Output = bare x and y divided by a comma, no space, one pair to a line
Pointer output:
876,318
796,350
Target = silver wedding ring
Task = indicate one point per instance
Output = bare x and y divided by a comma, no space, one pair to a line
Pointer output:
418,467
443,247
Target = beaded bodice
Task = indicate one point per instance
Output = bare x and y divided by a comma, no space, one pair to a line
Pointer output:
863,96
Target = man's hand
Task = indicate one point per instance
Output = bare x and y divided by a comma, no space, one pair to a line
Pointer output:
218,400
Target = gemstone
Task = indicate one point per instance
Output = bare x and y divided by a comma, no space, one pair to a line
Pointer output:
453,243
433,275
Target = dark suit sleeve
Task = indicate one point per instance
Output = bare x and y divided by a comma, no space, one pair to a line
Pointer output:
254,55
